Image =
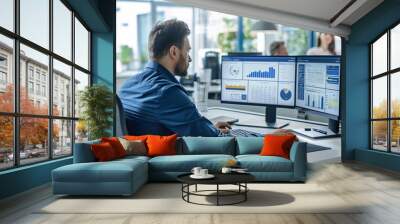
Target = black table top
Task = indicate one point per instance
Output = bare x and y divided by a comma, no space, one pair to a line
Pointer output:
220,178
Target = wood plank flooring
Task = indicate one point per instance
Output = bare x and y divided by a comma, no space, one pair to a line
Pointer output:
377,189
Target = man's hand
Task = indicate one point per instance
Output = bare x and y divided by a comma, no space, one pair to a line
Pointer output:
224,127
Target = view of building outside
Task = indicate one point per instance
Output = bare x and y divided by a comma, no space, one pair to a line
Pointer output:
210,31
34,99
33,118
385,124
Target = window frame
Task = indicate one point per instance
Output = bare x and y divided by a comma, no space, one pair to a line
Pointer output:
16,115
388,74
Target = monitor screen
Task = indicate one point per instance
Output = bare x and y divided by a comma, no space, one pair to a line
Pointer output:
258,80
318,84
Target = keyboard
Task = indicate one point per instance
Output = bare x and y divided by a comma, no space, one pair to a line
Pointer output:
243,133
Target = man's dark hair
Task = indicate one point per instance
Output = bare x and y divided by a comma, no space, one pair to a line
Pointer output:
275,46
166,34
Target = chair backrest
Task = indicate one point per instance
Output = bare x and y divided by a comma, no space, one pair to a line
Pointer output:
121,121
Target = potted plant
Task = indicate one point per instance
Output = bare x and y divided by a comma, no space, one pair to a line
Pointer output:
96,102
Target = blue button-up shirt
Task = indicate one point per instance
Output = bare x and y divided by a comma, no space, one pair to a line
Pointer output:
156,103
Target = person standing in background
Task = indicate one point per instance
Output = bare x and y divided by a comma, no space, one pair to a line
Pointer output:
325,46
278,48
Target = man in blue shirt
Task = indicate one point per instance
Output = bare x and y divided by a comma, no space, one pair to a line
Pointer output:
154,101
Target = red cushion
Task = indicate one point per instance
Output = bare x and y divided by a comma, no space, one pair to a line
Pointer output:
103,151
116,145
278,145
161,145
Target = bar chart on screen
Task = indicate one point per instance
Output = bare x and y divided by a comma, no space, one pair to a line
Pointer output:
260,71
315,99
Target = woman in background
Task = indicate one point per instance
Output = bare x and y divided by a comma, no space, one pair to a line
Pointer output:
326,45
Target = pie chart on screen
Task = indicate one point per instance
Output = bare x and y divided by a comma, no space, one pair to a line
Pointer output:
285,94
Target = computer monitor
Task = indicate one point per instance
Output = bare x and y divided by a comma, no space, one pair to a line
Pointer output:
318,86
259,80
244,53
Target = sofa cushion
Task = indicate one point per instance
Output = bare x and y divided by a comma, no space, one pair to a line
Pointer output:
116,145
112,171
134,147
161,145
249,145
208,145
103,152
185,163
257,163
278,145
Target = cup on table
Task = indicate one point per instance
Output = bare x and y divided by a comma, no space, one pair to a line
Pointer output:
226,170
203,172
196,171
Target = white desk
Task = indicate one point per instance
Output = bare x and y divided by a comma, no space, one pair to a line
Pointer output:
211,88
253,118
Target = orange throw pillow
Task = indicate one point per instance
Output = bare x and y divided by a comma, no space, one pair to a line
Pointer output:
103,152
161,145
116,145
278,145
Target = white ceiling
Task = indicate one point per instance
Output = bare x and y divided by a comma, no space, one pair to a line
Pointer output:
321,9
314,15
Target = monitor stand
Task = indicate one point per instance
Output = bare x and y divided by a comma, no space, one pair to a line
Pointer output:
332,131
270,118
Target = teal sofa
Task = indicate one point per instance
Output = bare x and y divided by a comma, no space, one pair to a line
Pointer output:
125,176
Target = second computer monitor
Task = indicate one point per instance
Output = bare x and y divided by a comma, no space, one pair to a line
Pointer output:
259,80
318,84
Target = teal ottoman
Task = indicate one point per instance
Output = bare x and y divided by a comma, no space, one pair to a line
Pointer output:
118,177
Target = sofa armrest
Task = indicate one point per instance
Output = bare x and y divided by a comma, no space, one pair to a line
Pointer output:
83,152
298,155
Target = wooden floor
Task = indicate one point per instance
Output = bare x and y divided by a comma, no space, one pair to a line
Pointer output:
378,189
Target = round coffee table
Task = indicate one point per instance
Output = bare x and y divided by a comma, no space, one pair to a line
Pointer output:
238,179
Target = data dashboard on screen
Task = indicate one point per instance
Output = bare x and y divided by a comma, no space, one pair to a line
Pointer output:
264,80
318,83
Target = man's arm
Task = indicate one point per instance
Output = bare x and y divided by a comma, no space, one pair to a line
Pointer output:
180,115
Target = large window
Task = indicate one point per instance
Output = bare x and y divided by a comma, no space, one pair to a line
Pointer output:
7,14
40,80
385,94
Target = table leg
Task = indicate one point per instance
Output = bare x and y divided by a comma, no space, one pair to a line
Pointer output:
188,190
245,193
182,190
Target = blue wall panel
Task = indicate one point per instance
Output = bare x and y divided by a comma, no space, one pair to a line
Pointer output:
24,178
103,59
103,62
356,113
379,159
